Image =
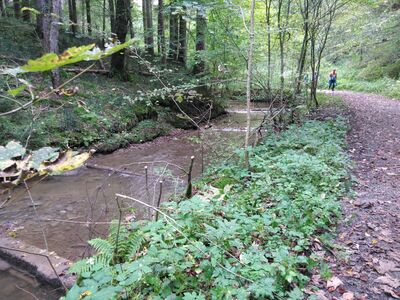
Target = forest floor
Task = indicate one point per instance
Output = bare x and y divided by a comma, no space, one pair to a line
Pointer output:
370,233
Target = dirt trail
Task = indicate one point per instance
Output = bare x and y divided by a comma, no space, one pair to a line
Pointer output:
370,233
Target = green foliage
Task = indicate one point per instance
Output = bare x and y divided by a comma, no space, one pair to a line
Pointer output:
72,55
248,236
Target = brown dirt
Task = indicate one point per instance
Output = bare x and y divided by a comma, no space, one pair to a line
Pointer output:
370,232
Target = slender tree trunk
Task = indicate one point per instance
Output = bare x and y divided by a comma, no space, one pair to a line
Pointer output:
182,39
281,36
39,5
131,30
103,28
3,8
73,17
52,9
147,9
173,35
304,48
83,24
248,84
88,17
161,32
118,65
201,27
17,9
268,4
112,15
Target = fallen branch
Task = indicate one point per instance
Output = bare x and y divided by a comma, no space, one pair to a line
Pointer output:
95,71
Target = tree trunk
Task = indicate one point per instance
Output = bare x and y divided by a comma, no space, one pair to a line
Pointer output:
112,15
248,85
147,9
73,17
281,52
3,11
118,66
88,17
161,33
26,14
304,48
39,5
83,25
182,39
52,9
131,31
268,4
103,29
17,9
201,27
173,35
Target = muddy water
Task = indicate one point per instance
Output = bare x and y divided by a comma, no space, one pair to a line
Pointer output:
15,284
65,208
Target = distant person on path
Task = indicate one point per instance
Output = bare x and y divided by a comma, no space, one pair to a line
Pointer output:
332,80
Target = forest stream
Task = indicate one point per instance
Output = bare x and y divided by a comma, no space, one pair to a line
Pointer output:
74,208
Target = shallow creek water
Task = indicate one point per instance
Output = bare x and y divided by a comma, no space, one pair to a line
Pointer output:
16,284
66,207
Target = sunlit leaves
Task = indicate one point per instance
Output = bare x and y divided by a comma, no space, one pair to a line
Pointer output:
72,55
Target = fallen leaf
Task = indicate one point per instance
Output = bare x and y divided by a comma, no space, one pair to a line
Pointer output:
388,280
348,296
389,291
386,266
321,295
333,284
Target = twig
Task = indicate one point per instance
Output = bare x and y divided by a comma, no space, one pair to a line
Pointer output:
189,187
159,200
37,217
26,291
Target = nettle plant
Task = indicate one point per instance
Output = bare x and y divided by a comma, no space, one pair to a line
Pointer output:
18,163
244,235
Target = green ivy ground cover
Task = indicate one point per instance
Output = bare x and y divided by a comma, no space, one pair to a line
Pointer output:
244,235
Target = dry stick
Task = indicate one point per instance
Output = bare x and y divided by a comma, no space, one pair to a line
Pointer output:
26,291
159,200
42,255
118,231
37,216
147,190
170,221
83,222
189,187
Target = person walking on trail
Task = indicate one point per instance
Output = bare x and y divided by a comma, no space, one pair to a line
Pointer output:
332,80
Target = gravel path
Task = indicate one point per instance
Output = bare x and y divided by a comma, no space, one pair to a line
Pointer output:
370,233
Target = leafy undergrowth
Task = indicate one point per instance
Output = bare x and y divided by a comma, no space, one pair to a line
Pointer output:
244,235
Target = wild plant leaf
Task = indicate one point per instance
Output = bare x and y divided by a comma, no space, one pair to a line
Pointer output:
5,164
16,91
72,55
67,161
30,9
43,154
11,150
